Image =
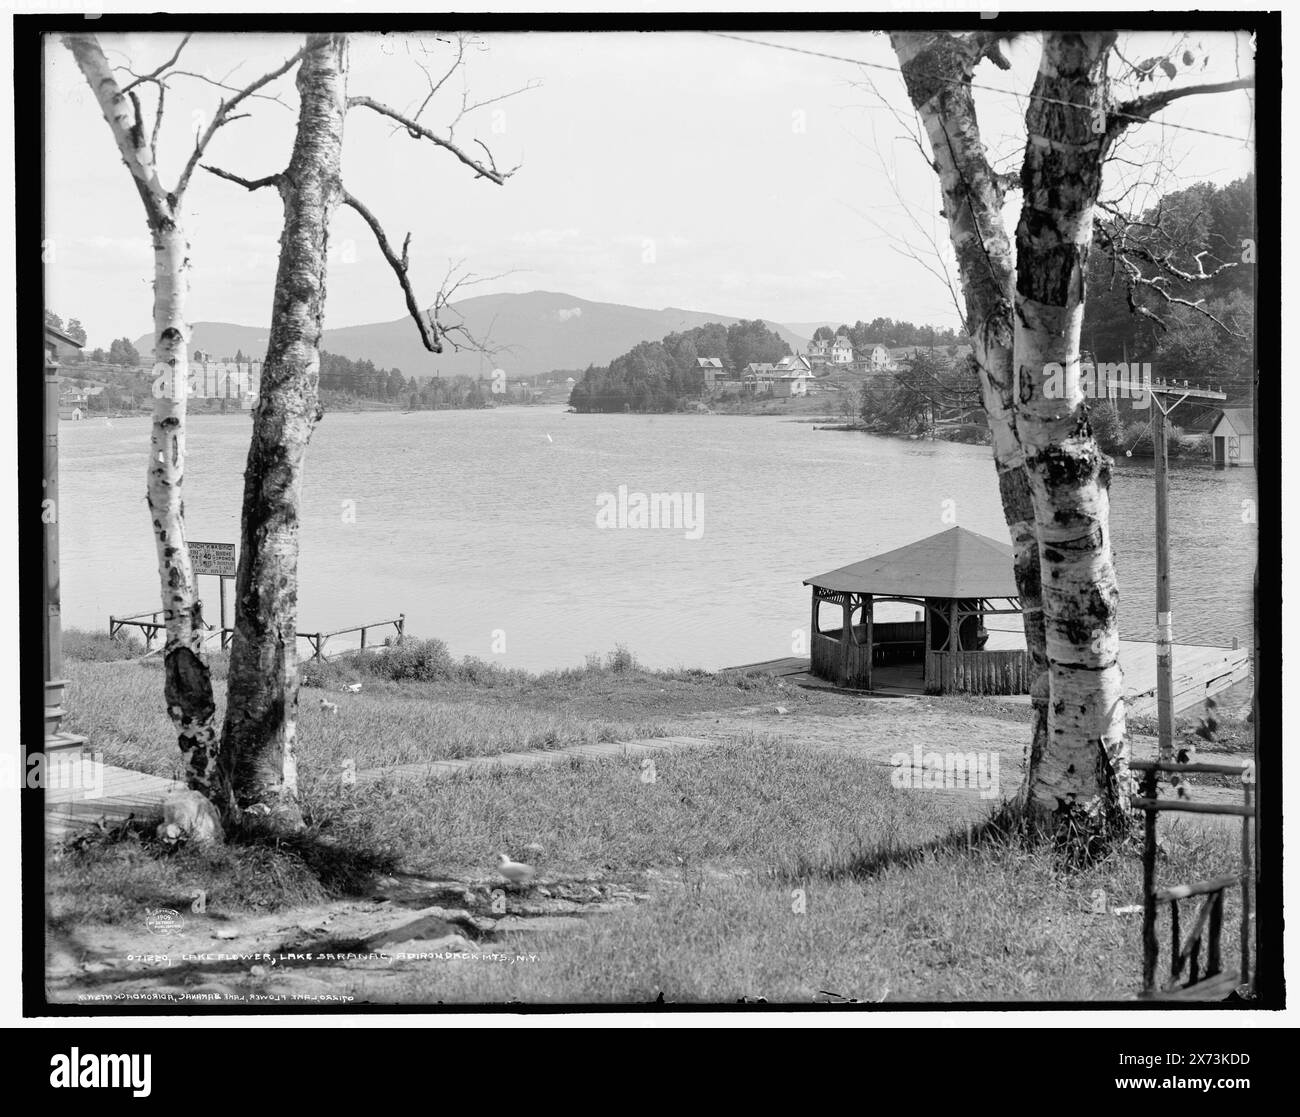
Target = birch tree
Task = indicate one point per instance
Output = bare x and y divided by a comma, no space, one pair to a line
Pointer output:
187,686
1024,314
258,751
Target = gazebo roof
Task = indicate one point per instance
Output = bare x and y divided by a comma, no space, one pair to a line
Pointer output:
954,563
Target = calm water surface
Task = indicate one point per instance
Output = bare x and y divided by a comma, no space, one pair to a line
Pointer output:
482,523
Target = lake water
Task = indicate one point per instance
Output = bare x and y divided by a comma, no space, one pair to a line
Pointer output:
481,526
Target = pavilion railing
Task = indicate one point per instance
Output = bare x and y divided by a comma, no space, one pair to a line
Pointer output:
827,654
897,641
985,672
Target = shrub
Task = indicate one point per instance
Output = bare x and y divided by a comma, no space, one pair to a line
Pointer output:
419,660
315,673
1189,444
1106,426
99,647
620,660
478,671
1137,438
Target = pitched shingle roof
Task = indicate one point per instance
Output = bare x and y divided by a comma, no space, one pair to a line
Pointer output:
954,563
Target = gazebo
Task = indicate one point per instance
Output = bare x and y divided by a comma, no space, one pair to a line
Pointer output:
956,578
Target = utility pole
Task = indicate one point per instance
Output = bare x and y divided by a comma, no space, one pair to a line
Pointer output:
1160,394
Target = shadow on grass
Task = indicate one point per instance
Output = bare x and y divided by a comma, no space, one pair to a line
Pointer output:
1072,842
117,874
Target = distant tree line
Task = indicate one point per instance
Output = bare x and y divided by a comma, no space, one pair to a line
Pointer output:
931,388
664,375
1204,229
865,336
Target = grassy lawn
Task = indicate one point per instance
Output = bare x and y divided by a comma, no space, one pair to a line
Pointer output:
771,870
470,709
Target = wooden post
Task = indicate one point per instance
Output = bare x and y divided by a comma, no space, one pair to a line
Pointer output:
846,638
1212,962
812,625
1164,622
363,637
868,616
221,578
1150,947
1247,885
925,651
52,621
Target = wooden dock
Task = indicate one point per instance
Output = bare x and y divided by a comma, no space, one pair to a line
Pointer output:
1199,671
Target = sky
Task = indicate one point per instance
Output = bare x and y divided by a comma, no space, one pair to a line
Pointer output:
655,169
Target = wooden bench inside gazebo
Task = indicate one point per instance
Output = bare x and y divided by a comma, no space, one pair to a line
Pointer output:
955,579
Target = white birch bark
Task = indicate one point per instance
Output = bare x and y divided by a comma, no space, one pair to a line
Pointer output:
1085,759
260,730
188,687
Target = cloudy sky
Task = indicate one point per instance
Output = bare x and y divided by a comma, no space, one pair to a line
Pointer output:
657,169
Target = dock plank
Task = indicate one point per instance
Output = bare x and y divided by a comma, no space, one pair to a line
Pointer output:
1200,670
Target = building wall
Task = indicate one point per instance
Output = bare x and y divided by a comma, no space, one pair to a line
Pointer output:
1245,444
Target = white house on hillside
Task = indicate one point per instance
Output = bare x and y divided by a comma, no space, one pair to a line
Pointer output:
881,360
842,350
712,369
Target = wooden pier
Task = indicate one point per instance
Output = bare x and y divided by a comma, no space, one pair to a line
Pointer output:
1199,671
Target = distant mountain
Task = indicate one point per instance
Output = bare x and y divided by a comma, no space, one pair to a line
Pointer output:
810,328
540,331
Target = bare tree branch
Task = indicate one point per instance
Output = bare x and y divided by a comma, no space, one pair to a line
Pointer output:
158,117
401,267
222,115
461,40
248,184
1143,108
443,305
153,75
222,84
419,131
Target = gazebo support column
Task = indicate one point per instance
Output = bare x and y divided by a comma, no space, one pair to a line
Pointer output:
868,609
846,640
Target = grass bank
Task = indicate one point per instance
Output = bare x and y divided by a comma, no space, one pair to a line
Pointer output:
768,868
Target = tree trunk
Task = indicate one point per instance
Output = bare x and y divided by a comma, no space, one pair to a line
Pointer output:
973,199
188,687
1085,758
262,699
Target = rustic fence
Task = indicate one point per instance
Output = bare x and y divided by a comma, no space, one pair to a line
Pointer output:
318,639
998,672
153,627
1214,983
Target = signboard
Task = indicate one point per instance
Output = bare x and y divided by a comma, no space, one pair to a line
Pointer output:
213,558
